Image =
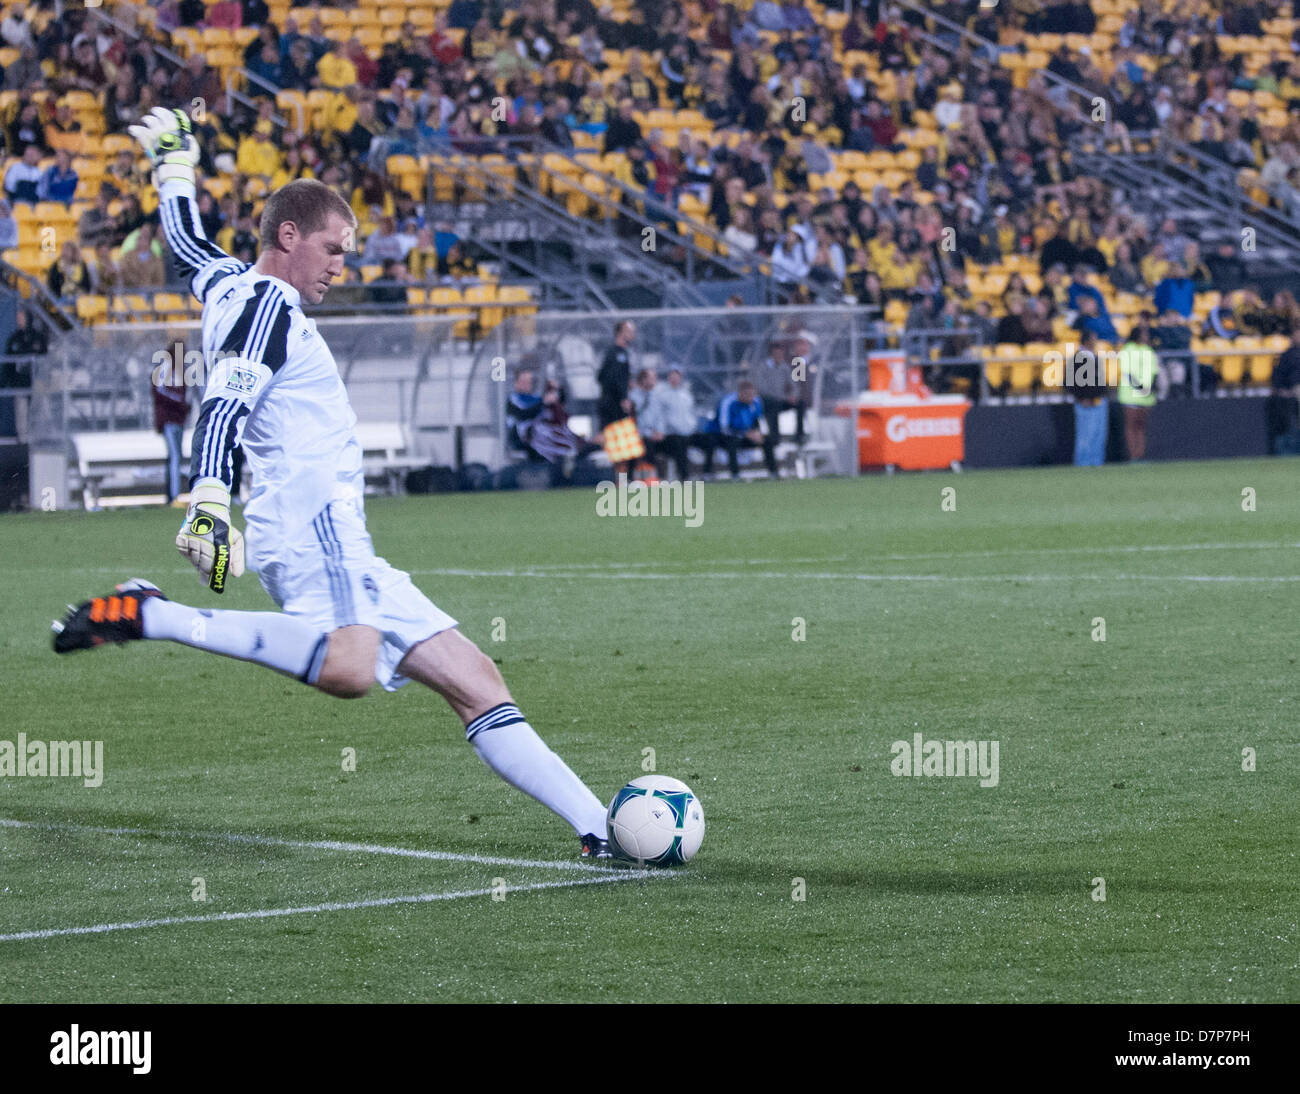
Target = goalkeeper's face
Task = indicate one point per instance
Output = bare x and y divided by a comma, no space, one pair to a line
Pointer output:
314,261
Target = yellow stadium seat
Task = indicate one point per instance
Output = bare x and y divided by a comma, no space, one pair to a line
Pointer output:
92,309
169,303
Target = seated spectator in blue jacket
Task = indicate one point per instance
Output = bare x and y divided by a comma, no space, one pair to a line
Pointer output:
739,423
59,183
1091,318
1079,288
1176,292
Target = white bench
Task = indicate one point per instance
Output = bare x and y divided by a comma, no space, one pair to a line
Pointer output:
131,460
386,454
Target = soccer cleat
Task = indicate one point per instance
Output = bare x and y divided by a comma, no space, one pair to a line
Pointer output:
595,847
113,618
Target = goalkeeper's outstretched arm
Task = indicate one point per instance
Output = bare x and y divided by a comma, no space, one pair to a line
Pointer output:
167,139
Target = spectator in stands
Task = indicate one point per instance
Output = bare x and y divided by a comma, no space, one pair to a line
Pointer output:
68,274
1093,320
196,80
59,182
790,262
23,179
1124,274
298,69
8,226
258,155
624,130
1058,250
1138,368
25,129
105,270
1038,320
1282,410
1227,270
86,73
667,424
739,420
25,73
390,288
123,172
738,234
1176,292
422,258
1011,327
554,127
171,407
456,263
142,263
383,244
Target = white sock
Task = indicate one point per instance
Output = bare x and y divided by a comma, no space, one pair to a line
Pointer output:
511,748
277,641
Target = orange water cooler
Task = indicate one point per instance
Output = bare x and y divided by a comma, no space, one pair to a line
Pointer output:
900,424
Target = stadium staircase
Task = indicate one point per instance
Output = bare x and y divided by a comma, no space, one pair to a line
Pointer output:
587,239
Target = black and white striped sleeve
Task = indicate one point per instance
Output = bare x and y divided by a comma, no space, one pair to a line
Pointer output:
196,257
253,351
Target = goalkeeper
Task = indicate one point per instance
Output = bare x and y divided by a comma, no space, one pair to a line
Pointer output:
274,391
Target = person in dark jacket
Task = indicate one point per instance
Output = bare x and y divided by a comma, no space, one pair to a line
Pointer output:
615,376
171,406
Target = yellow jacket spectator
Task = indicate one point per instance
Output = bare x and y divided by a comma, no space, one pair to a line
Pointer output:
123,173
257,154
422,259
1153,267
457,264
292,168
63,131
336,71
482,42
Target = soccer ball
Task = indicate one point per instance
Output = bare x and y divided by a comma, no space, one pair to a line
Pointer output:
657,820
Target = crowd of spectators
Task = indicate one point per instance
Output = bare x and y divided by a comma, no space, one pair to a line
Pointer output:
993,178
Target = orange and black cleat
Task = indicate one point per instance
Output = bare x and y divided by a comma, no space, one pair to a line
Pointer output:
113,618
593,847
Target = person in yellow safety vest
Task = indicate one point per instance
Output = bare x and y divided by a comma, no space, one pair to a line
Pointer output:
1137,387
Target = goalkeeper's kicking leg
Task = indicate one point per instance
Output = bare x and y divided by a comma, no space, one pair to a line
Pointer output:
343,663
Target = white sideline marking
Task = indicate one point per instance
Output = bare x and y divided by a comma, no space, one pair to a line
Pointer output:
312,909
795,575
320,845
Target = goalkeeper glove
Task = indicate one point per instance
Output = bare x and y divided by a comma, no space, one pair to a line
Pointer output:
168,141
207,540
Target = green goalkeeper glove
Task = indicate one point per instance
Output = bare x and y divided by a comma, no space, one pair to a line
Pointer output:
207,540
168,141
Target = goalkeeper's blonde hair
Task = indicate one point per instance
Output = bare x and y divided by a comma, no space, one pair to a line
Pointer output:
304,202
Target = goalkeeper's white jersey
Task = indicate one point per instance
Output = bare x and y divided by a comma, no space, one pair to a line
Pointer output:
273,389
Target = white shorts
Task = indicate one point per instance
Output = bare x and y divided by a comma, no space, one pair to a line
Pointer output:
332,578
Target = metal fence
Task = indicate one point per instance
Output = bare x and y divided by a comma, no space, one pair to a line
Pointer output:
445,381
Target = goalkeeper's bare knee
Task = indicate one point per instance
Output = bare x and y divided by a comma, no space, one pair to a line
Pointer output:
349,668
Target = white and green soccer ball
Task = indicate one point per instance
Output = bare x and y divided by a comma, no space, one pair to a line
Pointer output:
656,820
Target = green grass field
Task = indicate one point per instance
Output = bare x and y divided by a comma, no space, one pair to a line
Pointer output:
1120,759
